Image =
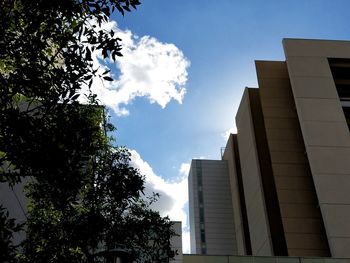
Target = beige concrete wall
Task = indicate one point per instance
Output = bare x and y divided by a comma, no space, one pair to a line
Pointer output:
254,196
254,259
193,210
219,222
218,213
325,132
238,224
295,191
176,242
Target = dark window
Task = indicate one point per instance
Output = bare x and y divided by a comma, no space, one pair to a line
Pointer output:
200,198
201,215
341,74
201,206
202,236
204,248
199,179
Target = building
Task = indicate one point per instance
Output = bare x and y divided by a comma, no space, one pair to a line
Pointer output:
215,232
15,202
176,242
191,258
289,164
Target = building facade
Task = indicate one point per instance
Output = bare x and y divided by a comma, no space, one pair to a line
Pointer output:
211,211
289,164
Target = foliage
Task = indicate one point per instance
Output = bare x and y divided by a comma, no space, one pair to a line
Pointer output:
8,226
85,196
38,37
45,56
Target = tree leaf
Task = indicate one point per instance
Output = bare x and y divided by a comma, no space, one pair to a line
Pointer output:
108,78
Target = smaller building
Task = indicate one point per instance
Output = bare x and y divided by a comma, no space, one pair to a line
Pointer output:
211,213
176,242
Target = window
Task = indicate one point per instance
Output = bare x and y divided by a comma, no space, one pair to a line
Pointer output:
341,74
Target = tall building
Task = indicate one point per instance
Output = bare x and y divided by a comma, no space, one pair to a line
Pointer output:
289,164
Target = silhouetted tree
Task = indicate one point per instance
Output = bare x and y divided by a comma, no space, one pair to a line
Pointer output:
8,226
45,56
85,195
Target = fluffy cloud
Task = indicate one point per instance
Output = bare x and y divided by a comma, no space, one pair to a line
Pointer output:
227,133
148,68
184,169
156,71
173,199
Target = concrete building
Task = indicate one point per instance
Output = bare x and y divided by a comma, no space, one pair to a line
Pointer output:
211,211
15,202
289,164
176,242
191,258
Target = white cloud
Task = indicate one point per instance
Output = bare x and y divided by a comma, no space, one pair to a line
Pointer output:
184,169
148,68
201,158
173,195
186,241
156,71
227,133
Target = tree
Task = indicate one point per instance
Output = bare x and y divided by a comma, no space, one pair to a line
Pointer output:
45,56
7,227
84,195
39,36
94,199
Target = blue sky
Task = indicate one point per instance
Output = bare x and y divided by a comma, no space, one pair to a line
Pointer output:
210,46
